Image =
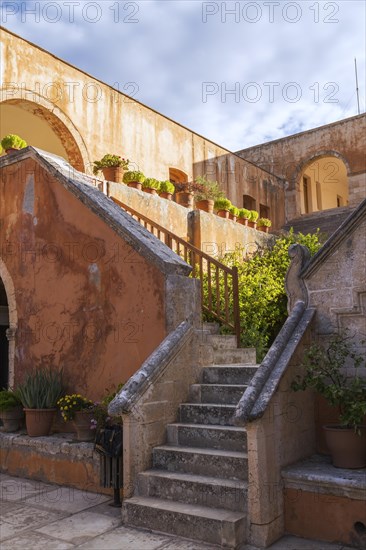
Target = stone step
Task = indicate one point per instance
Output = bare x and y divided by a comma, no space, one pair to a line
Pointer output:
192,489
228,374
216,526
219,341
209,462
207,413
242,356
226,438
216,393
213,328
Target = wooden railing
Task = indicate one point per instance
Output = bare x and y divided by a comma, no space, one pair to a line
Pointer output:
218,282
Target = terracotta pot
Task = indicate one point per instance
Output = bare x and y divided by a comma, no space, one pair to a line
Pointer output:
150,190
243,221
13,419
232,217
82,423
263,228
39,421
348,449
165,195
223,214
207,205
253,225
135,185
114,173
184,199
11,151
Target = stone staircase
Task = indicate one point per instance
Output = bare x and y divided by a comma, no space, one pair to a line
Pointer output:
326,220
198,482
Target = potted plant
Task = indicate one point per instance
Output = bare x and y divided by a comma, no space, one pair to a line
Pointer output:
222,206
252,222
80,410
151,185
11,410
263,224
243,216
206,196
134,179
166,190
327,371
112,166
12,143
39,393
233,213
185,192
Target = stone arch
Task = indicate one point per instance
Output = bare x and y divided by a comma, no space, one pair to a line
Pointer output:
13,317
177,176
59,123
298,181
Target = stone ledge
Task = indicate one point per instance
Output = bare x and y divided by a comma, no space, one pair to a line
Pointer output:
60,443
317,475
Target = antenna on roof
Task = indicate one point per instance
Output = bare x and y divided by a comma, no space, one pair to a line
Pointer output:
357,90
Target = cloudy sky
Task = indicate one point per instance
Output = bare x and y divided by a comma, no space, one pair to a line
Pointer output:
239,73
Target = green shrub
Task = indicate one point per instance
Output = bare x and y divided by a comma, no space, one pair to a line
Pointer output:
167,187
263,301
9,400
244,213
222,204
12,141
210,190
110,161
234,211
264,222
133,176
41,389
151,183
253,216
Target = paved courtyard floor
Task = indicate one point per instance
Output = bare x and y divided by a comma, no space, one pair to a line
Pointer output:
36,515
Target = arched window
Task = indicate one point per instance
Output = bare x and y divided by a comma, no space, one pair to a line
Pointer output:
177,176
249,202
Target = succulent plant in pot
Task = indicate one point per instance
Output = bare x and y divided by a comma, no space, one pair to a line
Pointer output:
263,224
166,190
112,166
206,196
12,143
333,371
222,206
243,216
134,179
233,213
41,389
151,185
11,410
252,222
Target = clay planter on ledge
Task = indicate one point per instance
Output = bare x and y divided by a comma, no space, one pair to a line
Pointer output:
223,214
207,205
242,221
113,173
232,217
150,190
39,421
348,449
263,228
82,423
184,199
253,225
12,419
135,185
11,151
165,195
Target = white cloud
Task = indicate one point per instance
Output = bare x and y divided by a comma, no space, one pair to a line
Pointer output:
170,52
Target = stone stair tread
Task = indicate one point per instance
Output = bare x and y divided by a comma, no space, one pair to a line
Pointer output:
201,451
221,405
209,426
196,478
232,365
221,385
204,512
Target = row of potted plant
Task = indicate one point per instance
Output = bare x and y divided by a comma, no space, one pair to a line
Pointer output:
12,143
41,395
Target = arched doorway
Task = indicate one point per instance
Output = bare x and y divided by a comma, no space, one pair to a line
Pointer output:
177,176
4,344
323,184
45,126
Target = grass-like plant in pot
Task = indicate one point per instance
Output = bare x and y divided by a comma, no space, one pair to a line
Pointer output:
166,190
209,192
112,166
134,179
11,410
222,206
333,371
263,224
151,185
243,216
12,143
41,389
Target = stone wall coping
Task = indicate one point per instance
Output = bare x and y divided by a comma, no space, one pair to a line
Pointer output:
61,443
151,369
81,186
317,475
334,241
264,383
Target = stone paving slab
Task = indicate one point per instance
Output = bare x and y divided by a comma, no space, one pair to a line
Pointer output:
35,541
18,488
25,517
67,499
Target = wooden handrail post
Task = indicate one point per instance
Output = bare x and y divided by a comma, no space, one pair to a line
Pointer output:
236,305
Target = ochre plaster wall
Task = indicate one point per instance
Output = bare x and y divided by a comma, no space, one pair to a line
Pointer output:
86,301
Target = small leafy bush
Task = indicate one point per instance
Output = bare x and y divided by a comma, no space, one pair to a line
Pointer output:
12,141
167,187
151,183
9,400
41,389
234,211
253,216
133,176
222,204
244,213
210,190
110,161
264,222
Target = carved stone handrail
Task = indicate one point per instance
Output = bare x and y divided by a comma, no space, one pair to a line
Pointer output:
263,385
151,369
